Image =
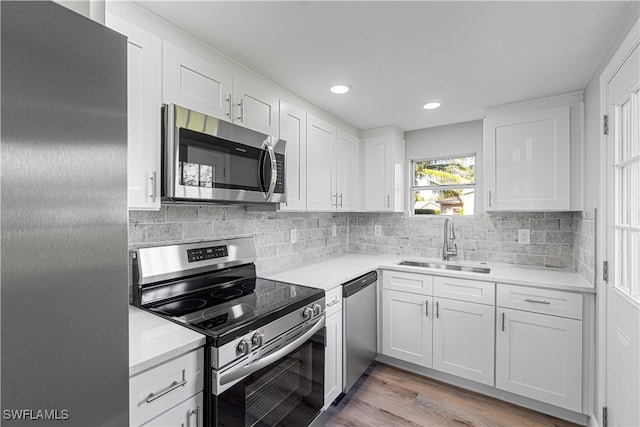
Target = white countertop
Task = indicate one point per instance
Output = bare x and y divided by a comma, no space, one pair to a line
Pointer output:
154,340
336,270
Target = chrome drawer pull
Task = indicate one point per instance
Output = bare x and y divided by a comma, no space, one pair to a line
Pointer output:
174,385
537,301
334,302
197,413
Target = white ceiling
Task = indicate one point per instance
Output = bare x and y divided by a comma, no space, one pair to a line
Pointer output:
398,55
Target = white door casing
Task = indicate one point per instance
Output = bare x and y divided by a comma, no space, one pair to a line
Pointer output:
620,93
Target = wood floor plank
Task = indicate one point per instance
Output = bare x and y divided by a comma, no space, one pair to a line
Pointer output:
388,396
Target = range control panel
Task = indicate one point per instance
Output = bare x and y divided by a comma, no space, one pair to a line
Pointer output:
207,253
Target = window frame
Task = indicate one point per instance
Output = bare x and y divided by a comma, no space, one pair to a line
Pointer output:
413,188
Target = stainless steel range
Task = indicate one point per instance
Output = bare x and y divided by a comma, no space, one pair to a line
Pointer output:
265,339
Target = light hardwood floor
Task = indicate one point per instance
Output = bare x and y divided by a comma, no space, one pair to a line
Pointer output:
387,396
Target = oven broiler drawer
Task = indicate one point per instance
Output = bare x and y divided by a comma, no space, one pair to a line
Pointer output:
158,389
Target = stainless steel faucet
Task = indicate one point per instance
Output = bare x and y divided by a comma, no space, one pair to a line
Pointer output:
449,237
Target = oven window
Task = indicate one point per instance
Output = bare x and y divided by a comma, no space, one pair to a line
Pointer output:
211,162
289,392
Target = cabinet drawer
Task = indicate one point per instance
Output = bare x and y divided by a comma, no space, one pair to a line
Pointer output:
464,290
187,413
407,282
333,300
155,390
546,301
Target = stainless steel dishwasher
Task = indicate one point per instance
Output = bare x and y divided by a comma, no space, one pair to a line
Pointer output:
359,323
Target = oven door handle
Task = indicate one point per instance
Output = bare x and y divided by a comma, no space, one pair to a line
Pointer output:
274,170
246,370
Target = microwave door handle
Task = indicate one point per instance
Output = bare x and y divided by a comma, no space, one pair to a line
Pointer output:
246,370
274,171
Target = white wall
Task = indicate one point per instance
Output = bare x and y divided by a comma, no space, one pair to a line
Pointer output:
459,138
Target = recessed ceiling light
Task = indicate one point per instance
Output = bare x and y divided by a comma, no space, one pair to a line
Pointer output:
432,105
340,89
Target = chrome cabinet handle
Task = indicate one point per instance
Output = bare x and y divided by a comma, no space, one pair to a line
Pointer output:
437,310
535,301
153,178
332,303
388,200
335,196
241,105
174,386
427,304
230,105
340,200
503,321
197,412
489,198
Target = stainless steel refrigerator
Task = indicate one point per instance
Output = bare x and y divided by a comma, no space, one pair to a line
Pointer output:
63,207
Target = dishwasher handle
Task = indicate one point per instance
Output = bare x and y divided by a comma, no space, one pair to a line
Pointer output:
359,284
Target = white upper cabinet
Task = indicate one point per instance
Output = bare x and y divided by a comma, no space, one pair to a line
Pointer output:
347,171
144,51
293,129
332,167
196,83
192,82
321,143
256,105
383,169
533,155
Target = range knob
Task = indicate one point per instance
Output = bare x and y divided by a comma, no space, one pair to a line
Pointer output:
307,312
244,346
258,339
316,309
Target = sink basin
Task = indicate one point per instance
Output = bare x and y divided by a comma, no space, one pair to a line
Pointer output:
444,266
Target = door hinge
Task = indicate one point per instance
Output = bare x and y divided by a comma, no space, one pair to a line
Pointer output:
605,271
605,124
605,416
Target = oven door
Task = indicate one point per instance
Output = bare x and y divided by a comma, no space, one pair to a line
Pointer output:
288,391
212,160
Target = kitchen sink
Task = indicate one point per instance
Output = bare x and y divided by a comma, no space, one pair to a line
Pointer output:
443,266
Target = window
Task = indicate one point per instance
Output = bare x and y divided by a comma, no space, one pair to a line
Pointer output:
444,186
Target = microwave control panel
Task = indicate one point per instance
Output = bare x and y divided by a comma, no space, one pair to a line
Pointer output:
201,254
280,171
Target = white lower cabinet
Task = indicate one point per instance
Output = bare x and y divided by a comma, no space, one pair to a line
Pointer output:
164,394
540,356
186,414
333,350
406,326
463,337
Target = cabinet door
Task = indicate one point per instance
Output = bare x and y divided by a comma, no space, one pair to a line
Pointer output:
333,359
406,326
195,83
347,173
186,414
463,339
143,114
378,176
540,356
256,105
293,129
527,162
321,143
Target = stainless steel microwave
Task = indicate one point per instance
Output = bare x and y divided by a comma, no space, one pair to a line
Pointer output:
205,159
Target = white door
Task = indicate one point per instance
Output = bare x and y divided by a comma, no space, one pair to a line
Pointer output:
293,129
333,358
622,98
321,180
378,178
406,326
540,356
256,105
463,339
347,173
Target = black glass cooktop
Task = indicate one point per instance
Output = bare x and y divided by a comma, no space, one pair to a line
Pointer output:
225,312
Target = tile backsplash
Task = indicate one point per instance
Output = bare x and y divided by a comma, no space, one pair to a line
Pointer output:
486,237
557,239
271,230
